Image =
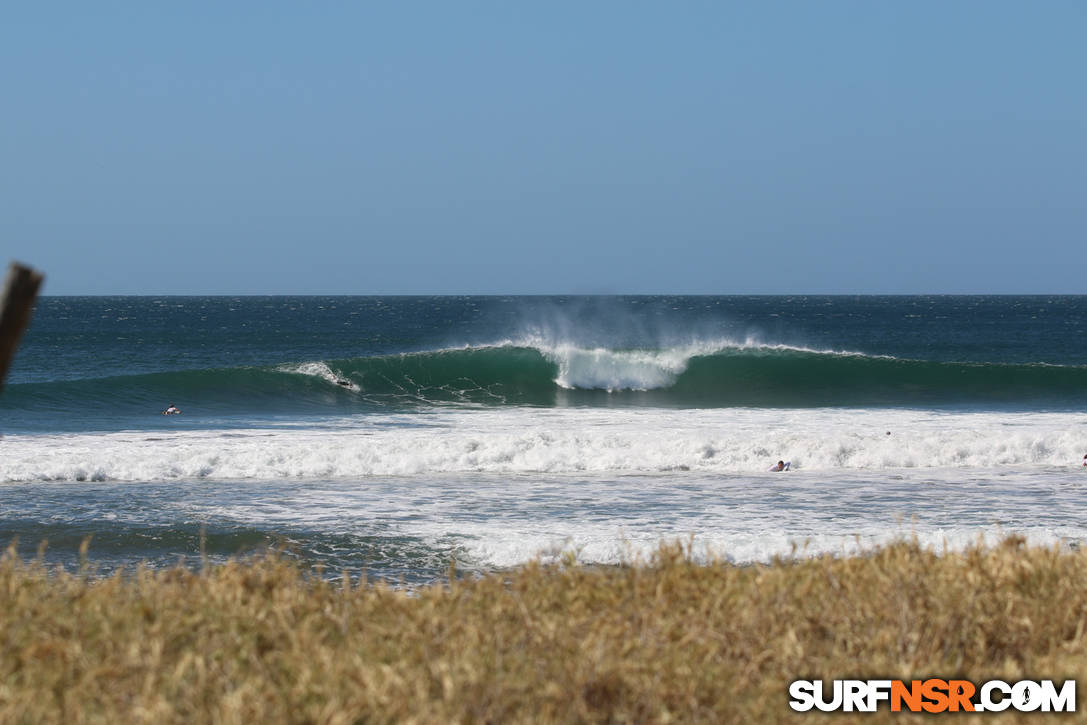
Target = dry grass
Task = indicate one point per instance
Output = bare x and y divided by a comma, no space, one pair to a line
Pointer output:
263,642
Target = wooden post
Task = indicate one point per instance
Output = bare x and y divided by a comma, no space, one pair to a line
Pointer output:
20,289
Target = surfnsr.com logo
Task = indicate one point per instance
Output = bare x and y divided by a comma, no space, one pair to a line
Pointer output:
933,695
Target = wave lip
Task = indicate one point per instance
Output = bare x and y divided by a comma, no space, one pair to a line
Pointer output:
612,370
615,370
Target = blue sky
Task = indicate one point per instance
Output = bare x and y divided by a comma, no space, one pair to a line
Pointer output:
559,147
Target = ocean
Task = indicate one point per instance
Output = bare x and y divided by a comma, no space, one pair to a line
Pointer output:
399,435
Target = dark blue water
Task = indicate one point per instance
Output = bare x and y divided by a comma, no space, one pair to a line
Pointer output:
89,337
109,363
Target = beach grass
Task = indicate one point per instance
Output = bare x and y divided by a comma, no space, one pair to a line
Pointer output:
267,641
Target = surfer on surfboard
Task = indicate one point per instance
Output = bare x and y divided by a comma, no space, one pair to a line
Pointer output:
172,410
781,466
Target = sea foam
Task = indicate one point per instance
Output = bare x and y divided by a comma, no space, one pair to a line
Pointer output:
561,441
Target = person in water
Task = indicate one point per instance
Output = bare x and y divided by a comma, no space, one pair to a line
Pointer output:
781,466
172,410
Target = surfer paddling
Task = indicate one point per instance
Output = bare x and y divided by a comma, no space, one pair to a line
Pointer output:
172,410
781,466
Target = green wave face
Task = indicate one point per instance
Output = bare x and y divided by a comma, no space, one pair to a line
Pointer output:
805,379
701,376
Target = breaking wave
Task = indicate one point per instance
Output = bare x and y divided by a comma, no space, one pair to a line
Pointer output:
704,374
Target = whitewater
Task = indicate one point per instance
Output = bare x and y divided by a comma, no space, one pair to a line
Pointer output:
565,441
